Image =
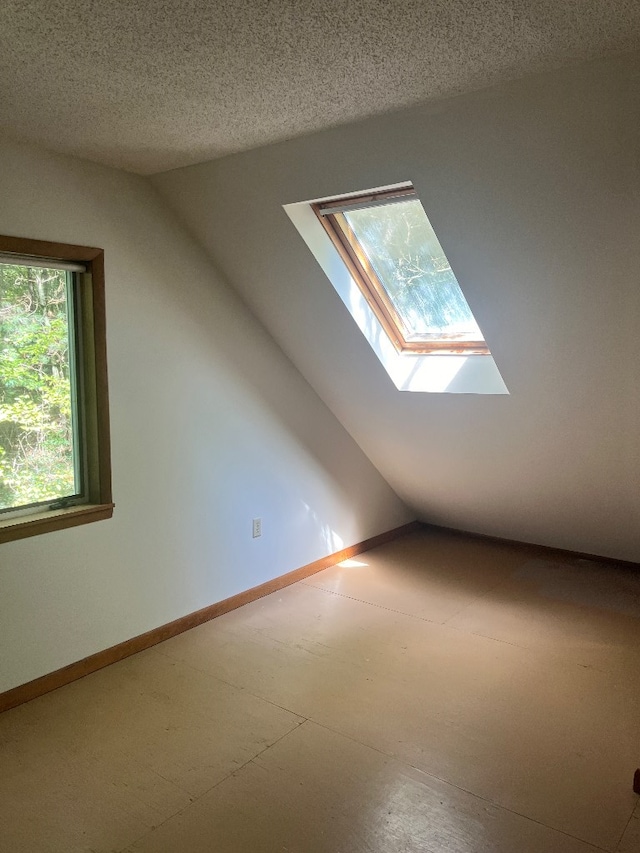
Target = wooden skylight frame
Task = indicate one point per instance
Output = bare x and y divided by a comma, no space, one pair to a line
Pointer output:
329,212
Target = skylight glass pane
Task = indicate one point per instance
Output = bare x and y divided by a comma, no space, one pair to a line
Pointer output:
401,246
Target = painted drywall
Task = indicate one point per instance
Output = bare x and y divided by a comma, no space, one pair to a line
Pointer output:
211,426
533,190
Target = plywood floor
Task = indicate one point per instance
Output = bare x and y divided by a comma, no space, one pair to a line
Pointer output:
436,694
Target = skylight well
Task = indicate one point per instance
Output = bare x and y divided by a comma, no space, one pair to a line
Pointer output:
383,258
395,258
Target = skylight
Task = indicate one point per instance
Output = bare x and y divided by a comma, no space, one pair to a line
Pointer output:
395,258
382,257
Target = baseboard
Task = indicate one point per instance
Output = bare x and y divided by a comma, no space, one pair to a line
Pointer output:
532,547
72,672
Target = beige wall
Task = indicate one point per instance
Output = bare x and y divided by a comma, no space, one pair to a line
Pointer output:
533,189
211,426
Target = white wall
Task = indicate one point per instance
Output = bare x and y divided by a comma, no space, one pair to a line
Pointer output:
211,426
533,188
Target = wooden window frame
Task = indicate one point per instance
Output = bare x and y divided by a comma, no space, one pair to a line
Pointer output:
368,282
93,398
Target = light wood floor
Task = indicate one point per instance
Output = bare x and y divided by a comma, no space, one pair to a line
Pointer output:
435,694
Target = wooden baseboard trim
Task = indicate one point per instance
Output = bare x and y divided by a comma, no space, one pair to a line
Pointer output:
72,672
547,550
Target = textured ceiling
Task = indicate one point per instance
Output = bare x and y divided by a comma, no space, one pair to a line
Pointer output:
150,85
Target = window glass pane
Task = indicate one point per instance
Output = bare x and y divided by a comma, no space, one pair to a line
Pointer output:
402,247
37,444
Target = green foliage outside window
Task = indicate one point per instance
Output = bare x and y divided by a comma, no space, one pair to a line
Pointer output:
36,425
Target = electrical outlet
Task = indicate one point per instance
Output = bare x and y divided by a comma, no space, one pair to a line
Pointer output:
257,527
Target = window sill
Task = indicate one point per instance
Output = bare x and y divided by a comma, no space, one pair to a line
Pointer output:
50,520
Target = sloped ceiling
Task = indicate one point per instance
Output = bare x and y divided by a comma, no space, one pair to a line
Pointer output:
534,190
154,84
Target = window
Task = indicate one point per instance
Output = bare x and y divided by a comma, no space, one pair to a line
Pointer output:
54,424
396,259
380,254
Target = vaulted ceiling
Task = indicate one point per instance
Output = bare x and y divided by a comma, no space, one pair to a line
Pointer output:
149,86
532,185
